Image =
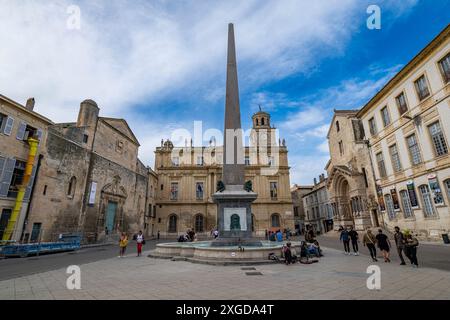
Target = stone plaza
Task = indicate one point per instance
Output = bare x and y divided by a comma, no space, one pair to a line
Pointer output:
335,276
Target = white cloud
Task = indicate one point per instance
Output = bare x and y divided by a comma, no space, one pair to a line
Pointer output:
126,55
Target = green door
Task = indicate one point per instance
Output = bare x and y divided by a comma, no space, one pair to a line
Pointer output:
110,215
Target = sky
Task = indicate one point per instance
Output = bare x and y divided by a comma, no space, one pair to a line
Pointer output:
161,64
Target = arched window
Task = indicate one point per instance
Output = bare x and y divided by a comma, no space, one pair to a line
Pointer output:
428,209
199,223
337,126
262,121
275,219
257,122
72,186
173,223
407,210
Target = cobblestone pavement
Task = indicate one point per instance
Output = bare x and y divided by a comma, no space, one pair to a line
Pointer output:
336,276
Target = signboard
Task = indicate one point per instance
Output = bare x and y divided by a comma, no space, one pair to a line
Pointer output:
412,194
395,199
380,198
435,190
93,192
235,218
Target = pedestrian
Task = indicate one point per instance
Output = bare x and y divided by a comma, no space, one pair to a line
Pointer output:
216,234
157,235
279,236
384,244
354,238
267,235
287,253
140,241
287,233
369,240
123,242
399,238
411,244
345,238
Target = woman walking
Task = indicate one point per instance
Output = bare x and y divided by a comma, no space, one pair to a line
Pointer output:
369,240
123,242
384,244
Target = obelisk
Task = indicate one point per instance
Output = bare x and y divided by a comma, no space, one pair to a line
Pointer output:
234,214
233,154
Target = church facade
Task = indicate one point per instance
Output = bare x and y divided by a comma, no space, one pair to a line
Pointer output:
188,177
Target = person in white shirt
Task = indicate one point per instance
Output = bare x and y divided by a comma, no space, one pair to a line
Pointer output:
140,241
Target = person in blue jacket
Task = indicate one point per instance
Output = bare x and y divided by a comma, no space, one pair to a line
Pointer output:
345,238
279,236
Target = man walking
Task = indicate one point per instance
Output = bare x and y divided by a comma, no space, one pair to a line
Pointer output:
400,244
354,237
369,241
411,244
345,238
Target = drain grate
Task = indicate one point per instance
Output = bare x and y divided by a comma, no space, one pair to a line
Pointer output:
255,273
248,268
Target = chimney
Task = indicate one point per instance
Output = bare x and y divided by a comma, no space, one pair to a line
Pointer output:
30,104
315,181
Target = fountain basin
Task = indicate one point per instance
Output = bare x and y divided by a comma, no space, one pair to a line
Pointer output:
208,252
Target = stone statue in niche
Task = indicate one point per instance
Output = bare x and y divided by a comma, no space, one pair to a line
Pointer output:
220,186
248,186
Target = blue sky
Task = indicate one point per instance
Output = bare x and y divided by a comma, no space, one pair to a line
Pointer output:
161,64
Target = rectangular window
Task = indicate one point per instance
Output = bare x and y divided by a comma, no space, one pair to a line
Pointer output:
199,160
422,88
271,161
247,160
385,116
7,124
373,127
2,121
17,178
414,150
85,138
407,210
401,103
175,161
381,166
440,146
396,164
174,191
341,148
199,190
389,206
444,65
273,190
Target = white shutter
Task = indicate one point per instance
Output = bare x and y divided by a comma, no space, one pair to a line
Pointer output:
21,131
39,136
26,197
8,126
7,176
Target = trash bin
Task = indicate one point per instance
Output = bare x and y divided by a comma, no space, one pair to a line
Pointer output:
445,238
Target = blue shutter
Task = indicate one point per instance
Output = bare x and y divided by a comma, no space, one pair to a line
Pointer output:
2,164
8,126
7,176
26,197
21,131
